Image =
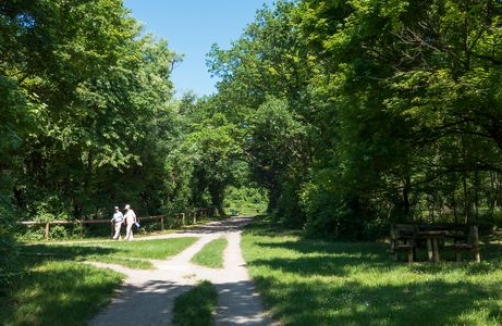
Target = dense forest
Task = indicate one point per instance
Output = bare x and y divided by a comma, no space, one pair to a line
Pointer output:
348,114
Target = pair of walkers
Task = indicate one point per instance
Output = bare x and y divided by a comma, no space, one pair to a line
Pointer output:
129,219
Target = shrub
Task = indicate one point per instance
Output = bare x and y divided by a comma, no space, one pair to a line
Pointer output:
8,247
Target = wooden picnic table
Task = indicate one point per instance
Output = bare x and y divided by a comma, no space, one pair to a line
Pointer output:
433,238
458,237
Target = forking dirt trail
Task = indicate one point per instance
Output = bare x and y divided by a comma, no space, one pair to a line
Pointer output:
147,296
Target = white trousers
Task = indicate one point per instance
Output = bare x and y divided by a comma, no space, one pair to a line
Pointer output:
129,235
117,226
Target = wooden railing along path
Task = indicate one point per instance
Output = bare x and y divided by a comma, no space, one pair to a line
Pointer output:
177,219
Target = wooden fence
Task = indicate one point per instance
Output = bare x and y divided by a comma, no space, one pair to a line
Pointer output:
178,219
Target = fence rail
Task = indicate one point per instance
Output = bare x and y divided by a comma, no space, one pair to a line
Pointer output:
177,219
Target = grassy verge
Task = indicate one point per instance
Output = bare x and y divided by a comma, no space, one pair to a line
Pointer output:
212,254
57,293
197,306
309,282
54,288
131,254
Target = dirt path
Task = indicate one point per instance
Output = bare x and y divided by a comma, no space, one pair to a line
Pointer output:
147,296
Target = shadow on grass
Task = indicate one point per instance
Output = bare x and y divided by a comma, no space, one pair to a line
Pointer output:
61,300
64,293
325,258
40,253
431,303
358,284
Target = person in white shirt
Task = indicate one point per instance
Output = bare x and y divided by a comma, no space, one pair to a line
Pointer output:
130,220
117,220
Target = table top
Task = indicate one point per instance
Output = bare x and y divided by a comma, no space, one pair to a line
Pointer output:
431,233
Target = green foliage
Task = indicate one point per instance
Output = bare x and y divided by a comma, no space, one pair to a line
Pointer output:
85,104
245,200
8,247
274,143
210,152
332,216
392,114
350,114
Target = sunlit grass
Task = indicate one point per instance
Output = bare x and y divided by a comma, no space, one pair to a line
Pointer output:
310,282
55,288
58,293
132,254
197,306
211,255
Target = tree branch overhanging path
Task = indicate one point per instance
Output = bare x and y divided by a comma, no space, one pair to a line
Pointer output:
147,296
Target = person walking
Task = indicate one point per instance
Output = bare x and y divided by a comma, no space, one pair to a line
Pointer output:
116,221
130,220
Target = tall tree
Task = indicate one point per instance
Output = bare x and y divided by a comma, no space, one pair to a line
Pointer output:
84,91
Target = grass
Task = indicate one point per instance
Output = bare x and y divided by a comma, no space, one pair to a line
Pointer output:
311,282
132,254
212,254
53,282
197,306
50,290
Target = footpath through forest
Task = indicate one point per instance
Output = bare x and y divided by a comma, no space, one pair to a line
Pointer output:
147,296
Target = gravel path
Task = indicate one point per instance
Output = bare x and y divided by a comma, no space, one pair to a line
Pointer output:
147,296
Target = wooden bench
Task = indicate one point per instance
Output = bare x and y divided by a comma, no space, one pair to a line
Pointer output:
403,239
465,238
468,243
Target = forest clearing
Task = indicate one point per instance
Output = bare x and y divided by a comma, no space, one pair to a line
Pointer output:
334,119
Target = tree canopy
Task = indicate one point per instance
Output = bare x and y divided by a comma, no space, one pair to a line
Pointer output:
350,114
373,111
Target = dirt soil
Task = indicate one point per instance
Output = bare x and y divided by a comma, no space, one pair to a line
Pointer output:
147,296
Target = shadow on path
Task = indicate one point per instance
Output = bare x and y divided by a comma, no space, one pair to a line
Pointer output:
239,304
147,297
228,225
146,304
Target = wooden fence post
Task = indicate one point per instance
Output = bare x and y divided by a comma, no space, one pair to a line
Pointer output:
47,230
474,235
81,225
83,222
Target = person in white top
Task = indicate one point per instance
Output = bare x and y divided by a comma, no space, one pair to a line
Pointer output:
117,220
130,220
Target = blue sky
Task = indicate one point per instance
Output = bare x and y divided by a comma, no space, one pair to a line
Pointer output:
191,27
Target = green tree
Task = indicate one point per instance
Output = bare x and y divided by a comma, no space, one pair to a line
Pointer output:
268,62
84,94
421,68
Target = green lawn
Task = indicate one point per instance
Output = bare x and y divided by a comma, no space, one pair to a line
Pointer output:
54,288
211,255
310,282
57,293
304,282
197,306
132,254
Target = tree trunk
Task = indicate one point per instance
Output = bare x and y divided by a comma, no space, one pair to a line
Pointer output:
273,199
406,197
216,192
